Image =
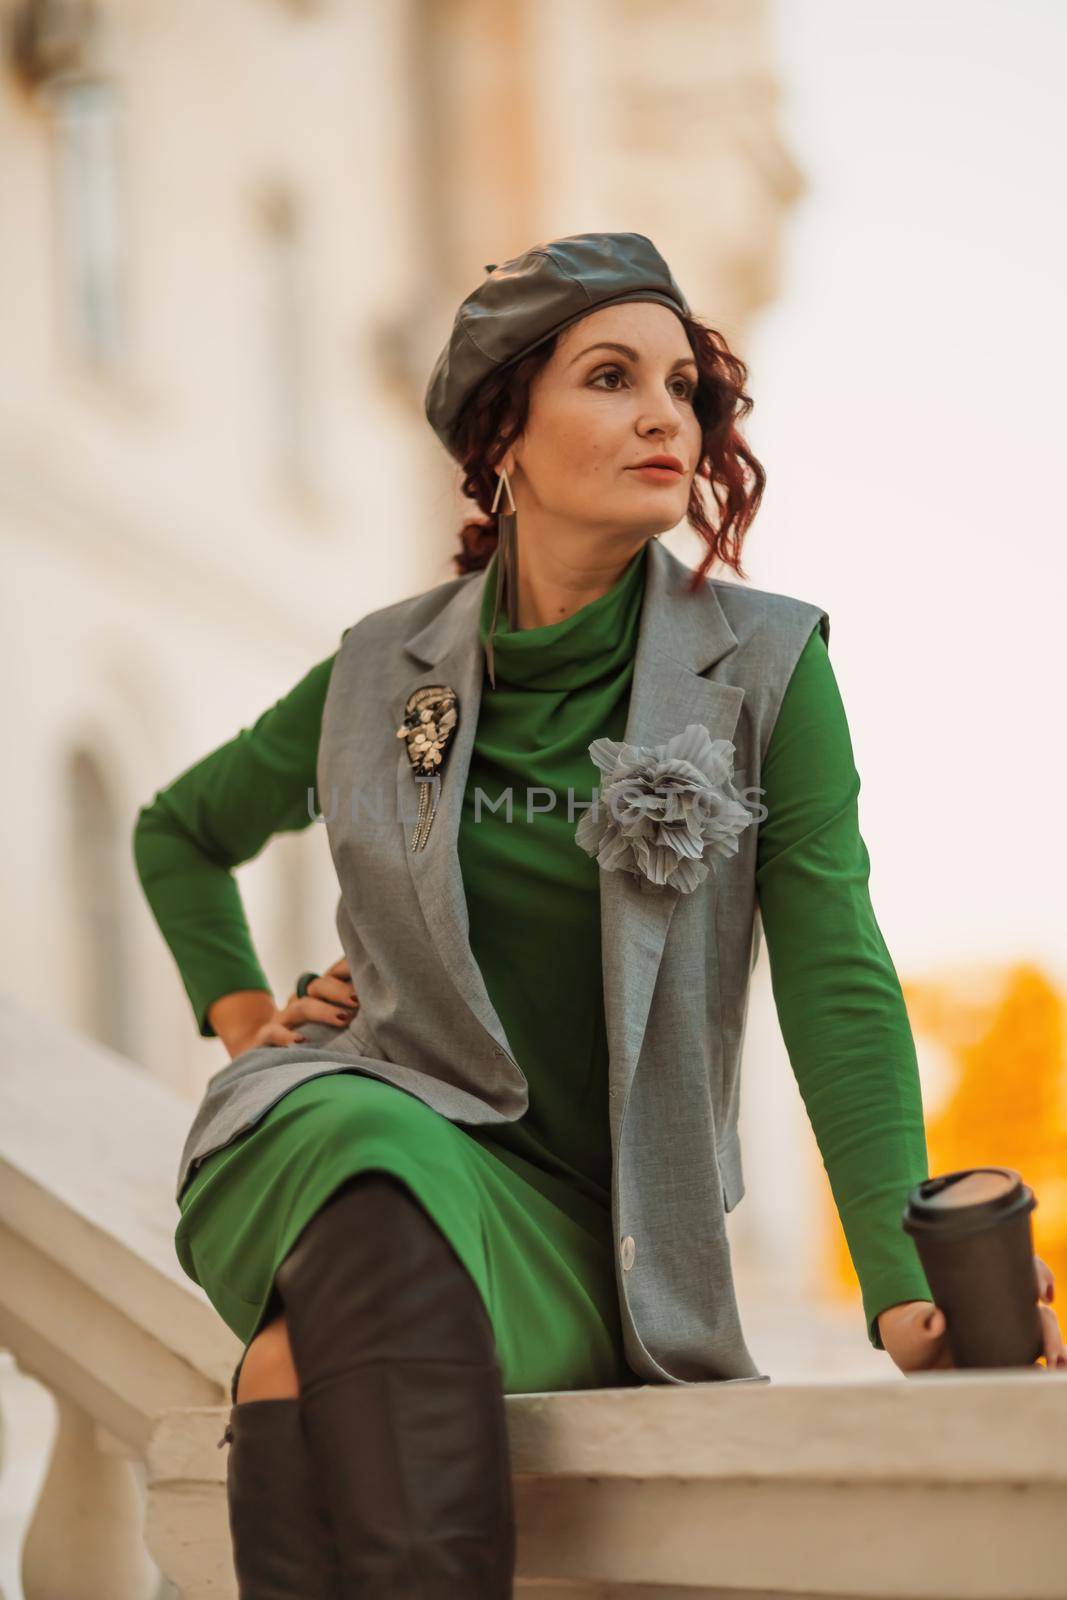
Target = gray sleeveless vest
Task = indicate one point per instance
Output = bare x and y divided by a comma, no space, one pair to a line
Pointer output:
676,967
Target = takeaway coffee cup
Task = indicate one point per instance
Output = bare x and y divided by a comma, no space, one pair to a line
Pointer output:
972,1231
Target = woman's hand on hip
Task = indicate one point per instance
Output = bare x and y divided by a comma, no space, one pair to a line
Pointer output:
330,998
915,1333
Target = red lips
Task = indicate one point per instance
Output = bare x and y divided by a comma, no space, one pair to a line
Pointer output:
661,461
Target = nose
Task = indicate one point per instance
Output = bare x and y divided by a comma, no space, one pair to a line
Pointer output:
664,431
661,417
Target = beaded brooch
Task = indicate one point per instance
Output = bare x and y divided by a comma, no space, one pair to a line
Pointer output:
430,718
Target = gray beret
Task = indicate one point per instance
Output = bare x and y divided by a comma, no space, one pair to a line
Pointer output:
524,301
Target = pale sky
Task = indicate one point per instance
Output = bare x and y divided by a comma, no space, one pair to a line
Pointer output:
909,410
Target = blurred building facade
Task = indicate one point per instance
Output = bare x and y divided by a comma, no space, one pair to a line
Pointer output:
234,240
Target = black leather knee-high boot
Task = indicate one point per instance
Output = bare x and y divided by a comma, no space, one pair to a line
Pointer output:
401,1395
280,1529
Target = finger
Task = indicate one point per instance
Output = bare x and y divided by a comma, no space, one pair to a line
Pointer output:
1055,1350
335,989
937,1354
1045,1281
309,1009
934,1325
278,1033
340,969
931,1356
921,1339
327,1011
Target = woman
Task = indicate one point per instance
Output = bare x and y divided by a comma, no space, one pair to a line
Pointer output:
492,1149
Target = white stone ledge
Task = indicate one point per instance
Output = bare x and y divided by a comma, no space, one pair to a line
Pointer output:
935,1487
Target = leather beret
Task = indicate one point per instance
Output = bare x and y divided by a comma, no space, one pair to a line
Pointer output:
524,301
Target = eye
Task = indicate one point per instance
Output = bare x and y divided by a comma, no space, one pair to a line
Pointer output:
688,389
608,372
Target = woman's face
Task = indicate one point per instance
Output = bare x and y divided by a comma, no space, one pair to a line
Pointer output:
596,413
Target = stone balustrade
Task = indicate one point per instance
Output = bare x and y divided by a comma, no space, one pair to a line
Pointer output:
943,1485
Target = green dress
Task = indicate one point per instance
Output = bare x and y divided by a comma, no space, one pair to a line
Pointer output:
527,1205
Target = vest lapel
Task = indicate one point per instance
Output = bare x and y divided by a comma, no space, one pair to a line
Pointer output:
679,637
450,646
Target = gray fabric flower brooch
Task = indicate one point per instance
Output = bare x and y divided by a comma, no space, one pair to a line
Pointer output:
664,810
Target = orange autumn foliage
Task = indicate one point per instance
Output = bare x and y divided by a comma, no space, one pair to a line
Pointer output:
1002,1039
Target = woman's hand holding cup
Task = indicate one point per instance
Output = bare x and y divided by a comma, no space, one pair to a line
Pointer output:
915,1332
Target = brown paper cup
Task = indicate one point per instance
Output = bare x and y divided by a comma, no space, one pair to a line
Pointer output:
973,1234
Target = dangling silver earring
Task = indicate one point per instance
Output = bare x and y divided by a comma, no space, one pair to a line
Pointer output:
506,564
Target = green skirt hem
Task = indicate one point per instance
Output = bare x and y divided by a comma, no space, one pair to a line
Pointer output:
540,1255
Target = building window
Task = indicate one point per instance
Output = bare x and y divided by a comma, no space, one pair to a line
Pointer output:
287,337
98,869
85,120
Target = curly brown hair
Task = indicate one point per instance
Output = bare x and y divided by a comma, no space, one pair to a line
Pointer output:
495,415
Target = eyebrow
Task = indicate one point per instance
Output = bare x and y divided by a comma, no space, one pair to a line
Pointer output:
628,350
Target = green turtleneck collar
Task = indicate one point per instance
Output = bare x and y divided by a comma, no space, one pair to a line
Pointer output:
594,641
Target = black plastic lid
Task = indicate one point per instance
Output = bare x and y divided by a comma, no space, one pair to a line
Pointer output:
927,1211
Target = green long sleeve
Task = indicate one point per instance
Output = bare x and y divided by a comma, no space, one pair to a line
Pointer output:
837,994
212,818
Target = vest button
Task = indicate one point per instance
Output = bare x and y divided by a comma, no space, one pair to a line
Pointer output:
627,1250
